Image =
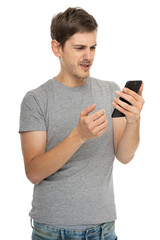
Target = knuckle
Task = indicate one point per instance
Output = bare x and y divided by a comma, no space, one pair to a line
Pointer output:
104,117
102,111
140,107
130,98
94,132
97,115
127,106
116,100
134,94
90,127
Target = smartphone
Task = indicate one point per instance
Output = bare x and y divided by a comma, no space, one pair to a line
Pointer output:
134,85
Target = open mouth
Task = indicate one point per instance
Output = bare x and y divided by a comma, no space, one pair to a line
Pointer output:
85,66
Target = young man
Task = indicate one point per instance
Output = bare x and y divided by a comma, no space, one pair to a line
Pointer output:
69,140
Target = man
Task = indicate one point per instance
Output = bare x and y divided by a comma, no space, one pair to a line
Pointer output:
69,140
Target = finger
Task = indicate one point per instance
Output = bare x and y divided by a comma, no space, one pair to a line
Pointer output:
122,104
127,109
138,104
101,128
97,115
121,109
127,97
129,92
89,109
141,89
99,121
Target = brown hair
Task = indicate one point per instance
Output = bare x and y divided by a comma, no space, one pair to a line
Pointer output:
69,22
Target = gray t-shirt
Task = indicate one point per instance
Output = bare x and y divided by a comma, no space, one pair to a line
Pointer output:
81,192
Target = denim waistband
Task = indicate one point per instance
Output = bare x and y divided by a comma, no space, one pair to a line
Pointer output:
105,227
76,227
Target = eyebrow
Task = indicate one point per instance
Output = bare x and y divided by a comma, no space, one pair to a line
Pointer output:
81,45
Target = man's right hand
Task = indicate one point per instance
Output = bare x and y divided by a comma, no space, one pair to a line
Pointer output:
92,126
40,164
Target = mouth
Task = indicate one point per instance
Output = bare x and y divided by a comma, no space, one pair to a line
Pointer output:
85,66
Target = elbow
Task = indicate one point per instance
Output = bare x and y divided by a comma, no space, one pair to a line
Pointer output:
124,160
32,178
32,173
34,181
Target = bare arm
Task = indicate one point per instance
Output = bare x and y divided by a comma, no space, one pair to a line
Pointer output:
40,164
126,130
127,136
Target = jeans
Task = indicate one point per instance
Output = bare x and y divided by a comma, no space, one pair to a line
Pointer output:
104,231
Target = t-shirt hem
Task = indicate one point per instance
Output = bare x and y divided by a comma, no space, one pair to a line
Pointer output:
78,223
31,129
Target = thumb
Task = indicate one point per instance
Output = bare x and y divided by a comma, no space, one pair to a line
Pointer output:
141,89
87,110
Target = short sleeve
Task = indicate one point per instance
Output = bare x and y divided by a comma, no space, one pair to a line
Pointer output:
114,87
31,115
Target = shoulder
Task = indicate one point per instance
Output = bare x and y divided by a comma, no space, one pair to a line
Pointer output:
38,97
43,90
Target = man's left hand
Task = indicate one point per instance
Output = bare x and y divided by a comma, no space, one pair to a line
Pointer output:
132,112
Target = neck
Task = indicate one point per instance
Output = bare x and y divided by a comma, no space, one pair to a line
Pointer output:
70,81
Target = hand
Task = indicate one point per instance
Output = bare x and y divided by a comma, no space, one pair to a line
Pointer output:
92,126
132,112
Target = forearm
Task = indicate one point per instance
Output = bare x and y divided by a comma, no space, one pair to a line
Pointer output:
129,142
49,162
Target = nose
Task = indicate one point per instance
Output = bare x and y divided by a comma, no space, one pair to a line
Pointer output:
87,55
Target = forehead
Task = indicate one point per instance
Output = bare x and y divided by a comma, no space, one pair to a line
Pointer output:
83,38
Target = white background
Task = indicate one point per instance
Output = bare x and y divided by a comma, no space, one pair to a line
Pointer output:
128,49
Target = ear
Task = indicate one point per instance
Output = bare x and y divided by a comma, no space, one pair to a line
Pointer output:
56,48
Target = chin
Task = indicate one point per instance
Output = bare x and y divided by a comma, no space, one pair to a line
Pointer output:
83,76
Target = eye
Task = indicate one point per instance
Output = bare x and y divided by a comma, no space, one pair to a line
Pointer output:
93,48
79,48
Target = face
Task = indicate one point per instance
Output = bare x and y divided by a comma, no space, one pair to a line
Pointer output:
78,54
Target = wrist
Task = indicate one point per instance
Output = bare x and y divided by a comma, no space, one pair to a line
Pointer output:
133,121
78,135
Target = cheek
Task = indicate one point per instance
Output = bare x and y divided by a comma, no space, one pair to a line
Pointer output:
93,54
66,61
71,60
